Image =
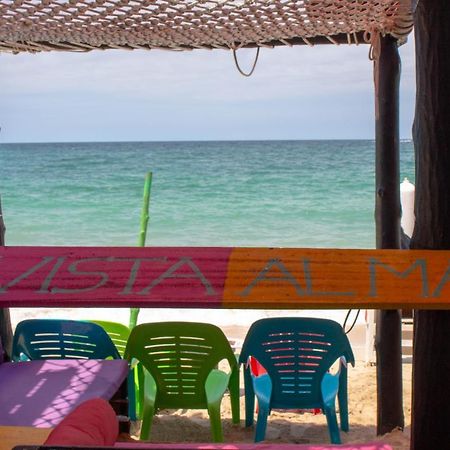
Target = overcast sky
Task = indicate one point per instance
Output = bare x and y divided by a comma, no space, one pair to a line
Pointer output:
323,92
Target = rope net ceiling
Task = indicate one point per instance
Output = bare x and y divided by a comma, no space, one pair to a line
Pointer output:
83,25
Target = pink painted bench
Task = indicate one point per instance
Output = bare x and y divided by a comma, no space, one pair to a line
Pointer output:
142,446
229,446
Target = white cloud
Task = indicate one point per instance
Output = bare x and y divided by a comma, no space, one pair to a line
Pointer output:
188,93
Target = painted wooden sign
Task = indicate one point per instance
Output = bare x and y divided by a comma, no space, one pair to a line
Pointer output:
269,278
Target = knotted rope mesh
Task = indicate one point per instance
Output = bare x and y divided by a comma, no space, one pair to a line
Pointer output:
82,25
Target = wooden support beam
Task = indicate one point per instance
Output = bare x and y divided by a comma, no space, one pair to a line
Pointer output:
5,319
2,226
431,131
227,277
387,217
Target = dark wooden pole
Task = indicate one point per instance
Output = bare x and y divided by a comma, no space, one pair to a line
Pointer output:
431,132
5,319
387,217
2,226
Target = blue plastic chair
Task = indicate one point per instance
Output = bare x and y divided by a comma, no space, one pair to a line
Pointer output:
118,332
294,356
61,339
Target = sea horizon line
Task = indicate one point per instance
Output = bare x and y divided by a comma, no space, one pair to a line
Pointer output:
180,141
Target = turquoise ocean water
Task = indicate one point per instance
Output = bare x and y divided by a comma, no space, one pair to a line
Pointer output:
268,193
273,193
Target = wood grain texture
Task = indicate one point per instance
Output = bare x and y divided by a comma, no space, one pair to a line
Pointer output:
6,334
190,277
431,387
387,219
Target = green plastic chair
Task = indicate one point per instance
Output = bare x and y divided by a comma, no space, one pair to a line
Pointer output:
119,334
180,361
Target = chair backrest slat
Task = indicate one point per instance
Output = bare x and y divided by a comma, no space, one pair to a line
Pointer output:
179,356
296,353
58,339
118,332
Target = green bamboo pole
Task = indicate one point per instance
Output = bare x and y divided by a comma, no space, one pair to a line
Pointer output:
134,312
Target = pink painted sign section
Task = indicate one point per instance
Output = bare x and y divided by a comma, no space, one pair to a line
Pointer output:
113,276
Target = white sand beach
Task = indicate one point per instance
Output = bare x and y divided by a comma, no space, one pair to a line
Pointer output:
283,426
293,426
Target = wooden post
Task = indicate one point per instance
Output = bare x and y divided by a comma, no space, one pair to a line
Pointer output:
5,319
387,216
2,226
431,132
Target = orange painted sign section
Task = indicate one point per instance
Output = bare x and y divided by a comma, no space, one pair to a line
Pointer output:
333,278
199,277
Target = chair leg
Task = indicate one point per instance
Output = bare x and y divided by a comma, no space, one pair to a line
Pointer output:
261,422
333,428
134,379
139,389
132,402
343,399
148,411
249,398
233,387
263,390
215,421
147,400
